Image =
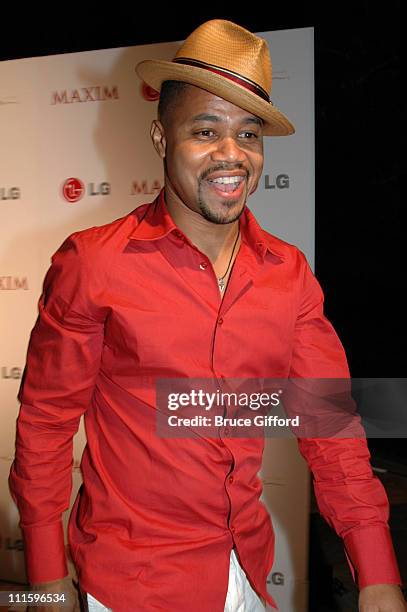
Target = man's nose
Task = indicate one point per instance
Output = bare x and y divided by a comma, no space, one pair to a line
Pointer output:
228,149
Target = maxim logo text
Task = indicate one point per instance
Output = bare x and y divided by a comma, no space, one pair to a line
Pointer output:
99,93
12,283
144,187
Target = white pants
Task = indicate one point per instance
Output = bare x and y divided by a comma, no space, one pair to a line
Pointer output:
240,596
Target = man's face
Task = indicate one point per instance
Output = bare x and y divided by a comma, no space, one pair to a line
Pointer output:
213,154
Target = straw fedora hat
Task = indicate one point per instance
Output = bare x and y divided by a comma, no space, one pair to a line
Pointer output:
228,61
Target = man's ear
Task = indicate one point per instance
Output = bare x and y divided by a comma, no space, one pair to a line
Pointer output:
157,134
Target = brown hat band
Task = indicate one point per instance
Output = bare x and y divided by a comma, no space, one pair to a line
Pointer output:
228,74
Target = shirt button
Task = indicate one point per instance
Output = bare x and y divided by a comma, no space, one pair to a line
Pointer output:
227,430
220,320
232,529
203,265
231,479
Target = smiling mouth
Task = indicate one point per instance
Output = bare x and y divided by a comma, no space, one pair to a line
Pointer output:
227,184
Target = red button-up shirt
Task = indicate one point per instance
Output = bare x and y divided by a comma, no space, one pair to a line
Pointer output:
156,518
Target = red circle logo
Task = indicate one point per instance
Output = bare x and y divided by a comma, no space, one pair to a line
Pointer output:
73,189
149,93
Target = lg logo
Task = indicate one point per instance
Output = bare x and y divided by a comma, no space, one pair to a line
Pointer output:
11,543
148,93
277,578
12,193
73,189
14,373
282,181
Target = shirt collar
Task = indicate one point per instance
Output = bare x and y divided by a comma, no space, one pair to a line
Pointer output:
155,222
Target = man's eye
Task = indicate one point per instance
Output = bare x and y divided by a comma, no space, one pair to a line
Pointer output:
204,132
210,133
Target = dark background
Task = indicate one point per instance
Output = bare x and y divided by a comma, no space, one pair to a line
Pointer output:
360,152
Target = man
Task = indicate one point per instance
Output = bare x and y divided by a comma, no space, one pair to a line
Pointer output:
188,286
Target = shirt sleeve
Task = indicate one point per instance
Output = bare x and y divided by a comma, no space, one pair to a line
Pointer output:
62,363
349,496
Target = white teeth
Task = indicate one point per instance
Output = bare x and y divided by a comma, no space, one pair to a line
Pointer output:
227,179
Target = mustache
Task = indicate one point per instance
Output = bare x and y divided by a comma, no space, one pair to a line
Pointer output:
223,166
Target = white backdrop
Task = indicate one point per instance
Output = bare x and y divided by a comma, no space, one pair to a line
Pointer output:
84,116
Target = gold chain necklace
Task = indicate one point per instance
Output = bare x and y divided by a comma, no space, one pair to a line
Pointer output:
221,279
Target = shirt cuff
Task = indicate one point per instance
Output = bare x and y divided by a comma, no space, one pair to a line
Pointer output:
44,550
371,556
